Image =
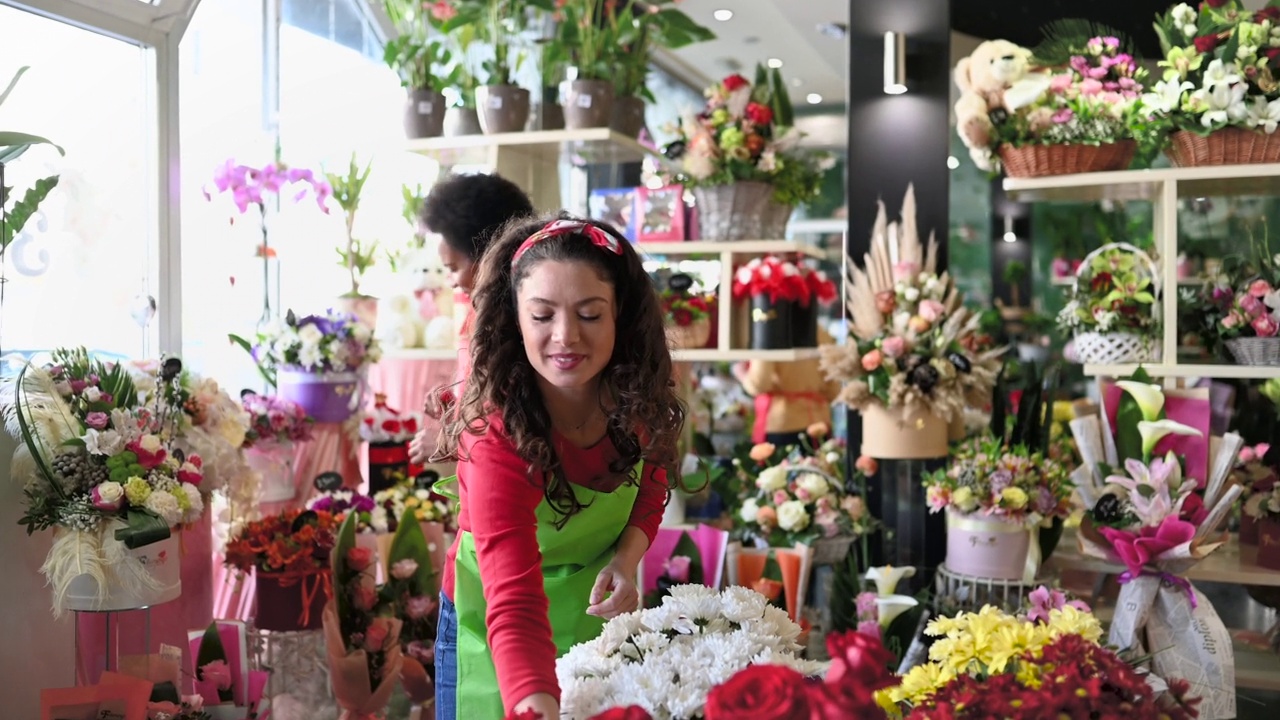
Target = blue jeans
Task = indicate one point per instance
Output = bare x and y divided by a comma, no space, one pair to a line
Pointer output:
447,661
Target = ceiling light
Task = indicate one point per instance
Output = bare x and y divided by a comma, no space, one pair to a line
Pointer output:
895,63
1010,237
723,15
814,99
952,162
775,63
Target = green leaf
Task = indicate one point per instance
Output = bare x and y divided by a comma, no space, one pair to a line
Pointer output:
268,373
1233,45
344,542
142,528
212,650
846,585
686,547
783,113
13,139
23,209
13,83
410,544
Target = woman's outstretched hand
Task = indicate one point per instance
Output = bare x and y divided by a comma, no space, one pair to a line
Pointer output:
620,585
420,448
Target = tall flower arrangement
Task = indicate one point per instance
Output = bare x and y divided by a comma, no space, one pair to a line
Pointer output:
332,342
100,467
913,345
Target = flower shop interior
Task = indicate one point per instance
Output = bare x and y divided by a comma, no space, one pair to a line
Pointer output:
986,425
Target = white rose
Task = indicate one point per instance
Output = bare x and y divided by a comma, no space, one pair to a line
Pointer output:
911,294
110,492
749,510
92,394
792,516
772,478
310,335
150,443
814,484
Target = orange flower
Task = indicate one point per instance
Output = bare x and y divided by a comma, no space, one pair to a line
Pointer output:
867,465
770,589
818,430
762,452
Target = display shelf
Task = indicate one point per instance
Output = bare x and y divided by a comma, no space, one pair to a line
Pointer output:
1233,564
420,353
1184,282
741,355
594,145
1145,184
736,247
1184,370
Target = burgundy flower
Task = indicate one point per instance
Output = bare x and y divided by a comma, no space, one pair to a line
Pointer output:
1206,43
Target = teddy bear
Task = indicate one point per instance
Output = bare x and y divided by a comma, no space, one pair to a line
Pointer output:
418,313
997,75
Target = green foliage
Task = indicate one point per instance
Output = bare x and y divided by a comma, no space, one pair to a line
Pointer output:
12,146
409,543
1068,36
358,255
419,54
845,587
267,372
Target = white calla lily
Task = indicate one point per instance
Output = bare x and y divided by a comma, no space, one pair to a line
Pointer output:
886,578
1150,398
1153,432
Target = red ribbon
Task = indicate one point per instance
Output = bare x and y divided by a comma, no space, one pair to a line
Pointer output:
598,237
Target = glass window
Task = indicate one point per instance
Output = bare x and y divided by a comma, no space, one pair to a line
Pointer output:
222,118
83,263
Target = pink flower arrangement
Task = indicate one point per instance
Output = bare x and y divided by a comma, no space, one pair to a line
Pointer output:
1251,311
773,276
274,419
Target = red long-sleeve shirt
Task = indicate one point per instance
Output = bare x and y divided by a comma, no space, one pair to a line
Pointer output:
498,502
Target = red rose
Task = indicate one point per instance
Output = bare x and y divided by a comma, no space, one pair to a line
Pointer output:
759,114
391,426
858,660
682,317
633,712
760,692
1206,43
1215,3
735,81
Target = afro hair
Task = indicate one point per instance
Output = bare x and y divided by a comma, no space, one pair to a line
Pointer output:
468,210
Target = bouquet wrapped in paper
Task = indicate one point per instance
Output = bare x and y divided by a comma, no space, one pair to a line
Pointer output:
363,643
1157,520
228,686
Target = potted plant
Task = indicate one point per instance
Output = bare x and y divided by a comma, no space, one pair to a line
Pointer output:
1219,97
742,159
423,61
12,146
289,556
916,356
503,106
592,43
553,64
356,256
1111,312
639,29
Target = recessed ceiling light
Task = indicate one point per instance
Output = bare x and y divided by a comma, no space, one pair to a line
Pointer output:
797,82
775,62
953,162
1010,237
722,15
814,99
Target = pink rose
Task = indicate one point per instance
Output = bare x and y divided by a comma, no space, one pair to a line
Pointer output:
905,271
872,360
894,346
1248,454
1090,86
1060,83
108,497
404,569
1251,305
1259,288
886,301
364,598
376,636
218,673
1232,320
78,386
419,607
97,420
780,496
867,465
359,558
931,310
802,495
677,569
1265,326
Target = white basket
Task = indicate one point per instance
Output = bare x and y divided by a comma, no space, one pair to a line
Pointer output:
1095,348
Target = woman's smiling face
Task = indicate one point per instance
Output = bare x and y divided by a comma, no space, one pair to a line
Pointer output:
567,320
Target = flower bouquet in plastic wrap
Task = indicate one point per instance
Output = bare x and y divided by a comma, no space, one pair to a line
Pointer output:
1157,515
228,687
363,642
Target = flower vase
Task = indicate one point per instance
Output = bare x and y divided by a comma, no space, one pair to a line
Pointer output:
1269,543
674,513
804,323
1248,529
328,397
988,546
739,211
273,461
770,323
895,434
388,465
290,602
160,561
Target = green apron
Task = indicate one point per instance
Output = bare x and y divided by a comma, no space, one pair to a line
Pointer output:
571,559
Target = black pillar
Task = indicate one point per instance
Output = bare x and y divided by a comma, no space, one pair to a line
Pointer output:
896,140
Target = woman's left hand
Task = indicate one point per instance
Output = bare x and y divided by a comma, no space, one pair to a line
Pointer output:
620,584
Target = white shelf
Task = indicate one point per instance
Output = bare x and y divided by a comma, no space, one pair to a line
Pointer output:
420,354
594,145
1145,184
737,247
818,226
1256,372
712,355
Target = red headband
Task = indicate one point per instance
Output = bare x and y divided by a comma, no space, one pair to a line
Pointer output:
598,237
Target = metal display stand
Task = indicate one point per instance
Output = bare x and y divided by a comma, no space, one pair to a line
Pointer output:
111,649
956,592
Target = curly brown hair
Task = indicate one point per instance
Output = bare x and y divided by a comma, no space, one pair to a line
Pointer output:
647,415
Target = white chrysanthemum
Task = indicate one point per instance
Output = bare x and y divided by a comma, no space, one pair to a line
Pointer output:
165,505
195,503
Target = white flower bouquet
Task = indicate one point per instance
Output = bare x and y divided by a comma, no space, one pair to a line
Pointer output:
667,659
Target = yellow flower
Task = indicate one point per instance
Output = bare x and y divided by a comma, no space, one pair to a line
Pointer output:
137,490
1015,498
1070,621
962,498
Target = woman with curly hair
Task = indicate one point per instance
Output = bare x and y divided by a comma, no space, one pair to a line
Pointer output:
565,438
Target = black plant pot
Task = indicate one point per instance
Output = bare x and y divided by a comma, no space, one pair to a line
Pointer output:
388,464
770,323
804,324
